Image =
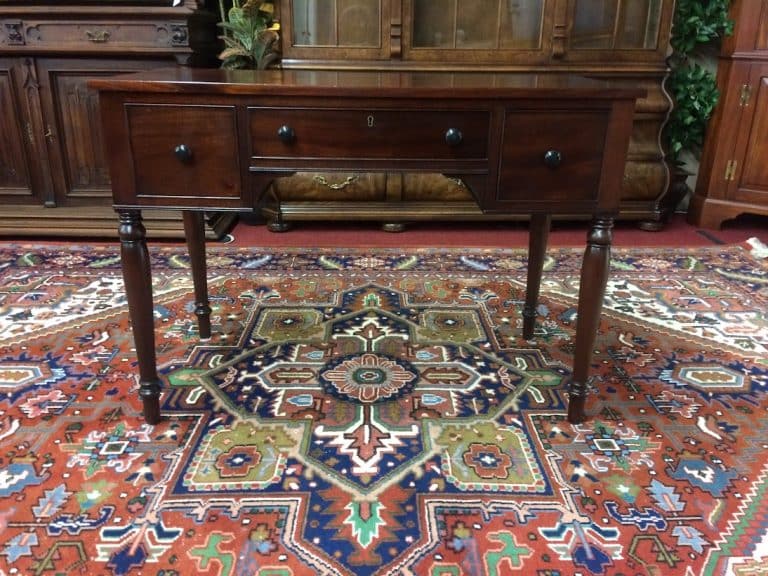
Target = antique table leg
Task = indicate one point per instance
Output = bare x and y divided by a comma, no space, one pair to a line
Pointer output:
138,290
594,276
537,247
194,230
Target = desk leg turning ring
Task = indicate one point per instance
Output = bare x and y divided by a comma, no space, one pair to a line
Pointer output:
138,291
194,230
594,277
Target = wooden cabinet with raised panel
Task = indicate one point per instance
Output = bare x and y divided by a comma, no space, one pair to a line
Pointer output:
625,41
733,176
17,177
53,175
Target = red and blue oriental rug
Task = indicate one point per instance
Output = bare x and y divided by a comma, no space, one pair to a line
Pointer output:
376,412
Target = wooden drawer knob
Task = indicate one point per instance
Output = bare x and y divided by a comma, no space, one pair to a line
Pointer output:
286,134
183,153
553,158
453,136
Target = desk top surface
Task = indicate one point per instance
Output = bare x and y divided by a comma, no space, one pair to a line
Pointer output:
375,84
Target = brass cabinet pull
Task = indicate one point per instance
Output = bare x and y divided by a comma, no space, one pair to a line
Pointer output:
97,36
340,186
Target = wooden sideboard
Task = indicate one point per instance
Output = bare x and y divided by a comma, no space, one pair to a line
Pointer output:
53,174
196,140
626,42
733,175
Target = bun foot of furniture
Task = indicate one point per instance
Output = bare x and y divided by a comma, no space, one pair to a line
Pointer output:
278,226
651,225
393,227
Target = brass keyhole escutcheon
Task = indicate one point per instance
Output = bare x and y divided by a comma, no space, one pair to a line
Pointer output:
371,121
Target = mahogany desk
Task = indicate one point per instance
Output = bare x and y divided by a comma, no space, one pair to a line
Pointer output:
200,140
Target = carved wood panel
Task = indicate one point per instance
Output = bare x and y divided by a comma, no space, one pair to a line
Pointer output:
73,132
14,170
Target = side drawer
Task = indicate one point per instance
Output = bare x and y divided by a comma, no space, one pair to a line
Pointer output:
552,156
96,35
372,134
184,151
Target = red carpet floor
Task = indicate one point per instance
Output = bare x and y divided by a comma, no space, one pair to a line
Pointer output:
677,233
375,412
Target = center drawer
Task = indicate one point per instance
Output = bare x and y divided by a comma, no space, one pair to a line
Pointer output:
374,134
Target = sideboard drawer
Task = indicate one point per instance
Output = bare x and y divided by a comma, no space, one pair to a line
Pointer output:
184,151
373,134
92,35
552,156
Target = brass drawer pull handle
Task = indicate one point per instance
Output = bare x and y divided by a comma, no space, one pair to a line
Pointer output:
453,136
340,186
553,158
183,153
97,36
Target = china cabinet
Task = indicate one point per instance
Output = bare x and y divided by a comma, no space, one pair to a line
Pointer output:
53,174
733,177
625,41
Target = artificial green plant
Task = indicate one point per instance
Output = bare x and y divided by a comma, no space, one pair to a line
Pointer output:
691,86
251,34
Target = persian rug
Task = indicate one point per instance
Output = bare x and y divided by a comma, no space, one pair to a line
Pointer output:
376,412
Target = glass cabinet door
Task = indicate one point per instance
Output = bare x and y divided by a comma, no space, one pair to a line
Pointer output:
615,24
474,30
335,28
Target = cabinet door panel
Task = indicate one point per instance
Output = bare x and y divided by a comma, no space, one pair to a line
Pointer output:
345,29
476,30
15,181
601,24
618,29
73,129
753,142
477,24
762,33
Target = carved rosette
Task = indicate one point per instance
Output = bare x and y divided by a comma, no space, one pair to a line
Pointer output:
13,34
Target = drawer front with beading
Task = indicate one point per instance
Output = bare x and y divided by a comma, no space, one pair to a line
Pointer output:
551,156
184,151
368,134
107,35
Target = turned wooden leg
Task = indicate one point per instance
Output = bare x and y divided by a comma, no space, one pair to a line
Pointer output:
594,276
537,248
138,291
194,230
